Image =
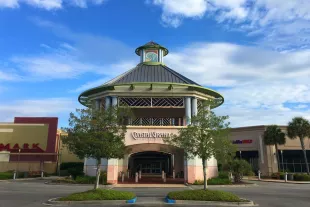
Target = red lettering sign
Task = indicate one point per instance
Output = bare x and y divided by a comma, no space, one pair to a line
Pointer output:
16,146
5,147
25,147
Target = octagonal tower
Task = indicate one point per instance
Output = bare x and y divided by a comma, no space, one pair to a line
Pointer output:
162,101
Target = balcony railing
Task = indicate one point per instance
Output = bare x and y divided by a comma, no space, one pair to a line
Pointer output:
143,121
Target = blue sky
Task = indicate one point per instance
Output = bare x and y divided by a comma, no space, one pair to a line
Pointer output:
255,52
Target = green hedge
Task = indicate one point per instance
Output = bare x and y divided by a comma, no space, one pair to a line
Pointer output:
204,195
6,175
73,168
278,175
67,165
301,177
223,174
214,181
99,194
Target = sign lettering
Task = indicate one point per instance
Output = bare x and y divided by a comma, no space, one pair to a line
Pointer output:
245,141
25,147
157,135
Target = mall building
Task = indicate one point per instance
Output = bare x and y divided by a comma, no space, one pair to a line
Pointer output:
163,101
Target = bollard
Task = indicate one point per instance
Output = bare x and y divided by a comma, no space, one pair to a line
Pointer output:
14,175
139,174
42,174
162,174
173,174
259,175
285,176
231,176
137,178
165,177
123,177
128,175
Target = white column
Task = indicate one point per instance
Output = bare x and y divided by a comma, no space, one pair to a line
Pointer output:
188,110
194,106
97,104
114,101
107,102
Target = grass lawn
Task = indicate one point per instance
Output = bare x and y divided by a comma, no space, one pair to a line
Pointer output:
99,194
204,195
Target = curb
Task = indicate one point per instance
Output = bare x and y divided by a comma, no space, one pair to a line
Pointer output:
234,186
209,203
53,201
75,184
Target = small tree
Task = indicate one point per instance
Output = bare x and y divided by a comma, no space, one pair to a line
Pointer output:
240,167
96,134
300,127
274,136
202,137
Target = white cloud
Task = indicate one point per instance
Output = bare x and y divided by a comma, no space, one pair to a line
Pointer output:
37,107
175,10
8,75
260,86
280,25
9,3
49,4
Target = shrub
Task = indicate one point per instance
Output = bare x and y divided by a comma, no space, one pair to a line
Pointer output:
85,179
219,181
301,177
6,175
103,178
278,175
99,194
240,167
223,174
74,172
67,165
204,195
214,181
250,173
72,168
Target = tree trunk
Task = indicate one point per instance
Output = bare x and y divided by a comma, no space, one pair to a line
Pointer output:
97,174
277,156
305,153
204,165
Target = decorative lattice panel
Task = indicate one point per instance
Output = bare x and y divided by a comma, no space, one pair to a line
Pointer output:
199,105
142,102
151,102
156,121
168,102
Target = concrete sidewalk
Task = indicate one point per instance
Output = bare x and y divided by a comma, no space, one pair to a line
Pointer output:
279,181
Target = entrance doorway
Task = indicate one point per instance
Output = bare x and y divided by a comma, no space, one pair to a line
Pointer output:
150,163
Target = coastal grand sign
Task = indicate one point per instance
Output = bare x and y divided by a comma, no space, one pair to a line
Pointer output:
156,135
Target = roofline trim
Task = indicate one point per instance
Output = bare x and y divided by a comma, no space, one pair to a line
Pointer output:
190,87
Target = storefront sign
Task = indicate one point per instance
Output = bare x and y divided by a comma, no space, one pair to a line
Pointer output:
245,141
25,147
141,135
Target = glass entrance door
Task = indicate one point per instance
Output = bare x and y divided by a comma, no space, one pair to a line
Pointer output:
151,168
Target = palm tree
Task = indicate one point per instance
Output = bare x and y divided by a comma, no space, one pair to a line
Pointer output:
274,136
300,127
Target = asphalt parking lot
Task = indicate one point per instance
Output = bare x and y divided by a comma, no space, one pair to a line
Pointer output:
34,193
